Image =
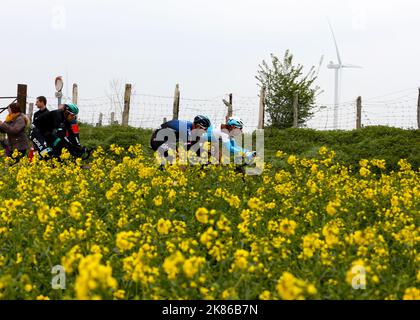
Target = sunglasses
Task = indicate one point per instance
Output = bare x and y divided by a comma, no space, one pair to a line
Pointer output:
71,114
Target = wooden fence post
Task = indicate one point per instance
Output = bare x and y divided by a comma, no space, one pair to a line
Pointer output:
229,105
127,99
112,118
21,96
177,97
230,109
262,109
75,95
418,111
295,111
100,120
359,113
31,111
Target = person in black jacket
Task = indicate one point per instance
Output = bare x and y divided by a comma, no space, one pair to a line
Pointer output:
41,103
54,130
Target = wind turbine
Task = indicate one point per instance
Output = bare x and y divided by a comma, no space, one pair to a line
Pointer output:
338,67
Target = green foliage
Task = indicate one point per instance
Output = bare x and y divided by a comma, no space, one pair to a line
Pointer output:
106,136
390,144
283,81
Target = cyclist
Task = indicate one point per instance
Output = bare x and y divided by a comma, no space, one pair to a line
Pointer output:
52,131
226,133
172,132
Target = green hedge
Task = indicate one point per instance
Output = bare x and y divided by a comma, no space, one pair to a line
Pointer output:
390,144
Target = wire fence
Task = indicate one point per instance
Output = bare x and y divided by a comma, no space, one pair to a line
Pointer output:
149,111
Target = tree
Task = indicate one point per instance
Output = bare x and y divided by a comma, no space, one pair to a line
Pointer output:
283,81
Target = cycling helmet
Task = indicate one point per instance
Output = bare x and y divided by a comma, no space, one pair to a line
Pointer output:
71,107
235,122
202,121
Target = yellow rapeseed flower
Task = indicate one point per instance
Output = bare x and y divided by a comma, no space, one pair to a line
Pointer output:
164,226
202,215
412,294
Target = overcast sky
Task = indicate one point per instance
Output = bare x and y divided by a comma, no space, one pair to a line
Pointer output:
208,47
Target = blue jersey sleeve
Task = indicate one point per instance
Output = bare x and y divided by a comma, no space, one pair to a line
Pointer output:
182,128
178,125
173,124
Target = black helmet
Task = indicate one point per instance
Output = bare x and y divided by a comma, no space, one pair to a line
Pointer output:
202,121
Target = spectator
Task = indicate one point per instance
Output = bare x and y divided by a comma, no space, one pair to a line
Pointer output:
14,126
41,103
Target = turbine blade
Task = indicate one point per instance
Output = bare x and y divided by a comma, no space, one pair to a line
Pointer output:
351,66
335,42
320,63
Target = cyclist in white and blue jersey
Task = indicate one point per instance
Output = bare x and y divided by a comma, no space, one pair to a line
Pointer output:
226,133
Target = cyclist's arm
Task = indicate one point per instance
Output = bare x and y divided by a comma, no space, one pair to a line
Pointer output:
228,143
235,148
73,133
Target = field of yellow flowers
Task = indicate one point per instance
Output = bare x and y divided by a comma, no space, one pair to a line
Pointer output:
126,230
